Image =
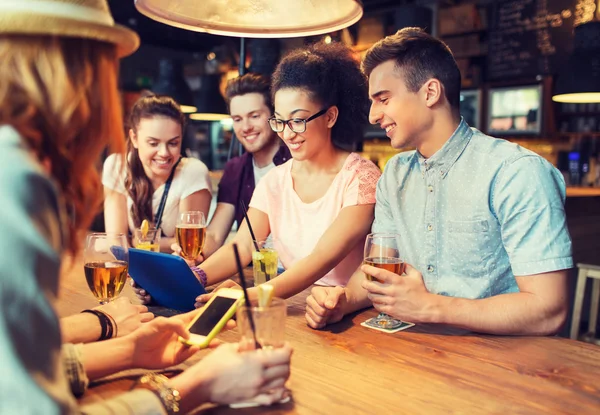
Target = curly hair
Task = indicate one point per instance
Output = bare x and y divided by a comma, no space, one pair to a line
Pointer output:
331,76
137,182
420,56
61,95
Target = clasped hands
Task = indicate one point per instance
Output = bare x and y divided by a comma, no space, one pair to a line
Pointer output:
404,297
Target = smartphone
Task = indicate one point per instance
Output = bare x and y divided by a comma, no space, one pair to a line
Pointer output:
213,317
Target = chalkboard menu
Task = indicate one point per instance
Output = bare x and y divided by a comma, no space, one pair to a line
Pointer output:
532,37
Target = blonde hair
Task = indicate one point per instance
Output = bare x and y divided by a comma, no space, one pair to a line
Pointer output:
61,95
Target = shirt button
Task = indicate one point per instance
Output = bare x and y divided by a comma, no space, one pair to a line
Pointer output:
430,268
429,227
430,188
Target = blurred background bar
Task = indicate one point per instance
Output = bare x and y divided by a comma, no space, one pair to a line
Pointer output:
530,72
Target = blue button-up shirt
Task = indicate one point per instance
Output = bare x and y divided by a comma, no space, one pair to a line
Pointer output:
475,214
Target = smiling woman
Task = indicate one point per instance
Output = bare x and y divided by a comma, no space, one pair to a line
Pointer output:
318,207
134,193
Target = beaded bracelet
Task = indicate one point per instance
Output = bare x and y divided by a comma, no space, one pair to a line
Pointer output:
159,384
200,272
107,325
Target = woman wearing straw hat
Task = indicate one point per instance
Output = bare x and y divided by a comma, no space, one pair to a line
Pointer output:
60,108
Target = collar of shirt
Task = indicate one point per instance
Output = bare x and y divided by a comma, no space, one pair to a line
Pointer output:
282,155
445,157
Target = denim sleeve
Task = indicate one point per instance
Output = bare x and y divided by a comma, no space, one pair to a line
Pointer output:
384,219
528,199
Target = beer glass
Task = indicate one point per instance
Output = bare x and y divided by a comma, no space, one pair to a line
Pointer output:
106,261
381,251
190,233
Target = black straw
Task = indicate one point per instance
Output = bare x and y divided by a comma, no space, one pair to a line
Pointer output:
250,227
248,304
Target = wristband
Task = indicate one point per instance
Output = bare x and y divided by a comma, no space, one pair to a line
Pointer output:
200,272
159,384
107,326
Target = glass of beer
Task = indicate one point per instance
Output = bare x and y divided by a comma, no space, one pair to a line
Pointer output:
106,260
264,262
190,233
382,251
148,242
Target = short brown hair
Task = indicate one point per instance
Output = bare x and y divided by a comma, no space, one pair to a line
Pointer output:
249,83
420,56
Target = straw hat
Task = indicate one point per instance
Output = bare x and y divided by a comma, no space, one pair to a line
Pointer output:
89,19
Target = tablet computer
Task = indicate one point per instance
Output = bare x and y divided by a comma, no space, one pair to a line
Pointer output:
167,278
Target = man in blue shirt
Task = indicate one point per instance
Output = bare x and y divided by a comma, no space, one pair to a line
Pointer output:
481,220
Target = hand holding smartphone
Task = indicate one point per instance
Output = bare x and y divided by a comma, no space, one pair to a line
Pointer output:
213,317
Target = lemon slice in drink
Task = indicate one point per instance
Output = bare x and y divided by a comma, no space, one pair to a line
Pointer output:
144,228
265,295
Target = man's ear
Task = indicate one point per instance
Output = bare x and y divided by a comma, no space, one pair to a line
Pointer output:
432,92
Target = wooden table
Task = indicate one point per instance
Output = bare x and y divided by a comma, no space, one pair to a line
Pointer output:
349,369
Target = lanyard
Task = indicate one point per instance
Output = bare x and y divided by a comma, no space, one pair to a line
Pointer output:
163,200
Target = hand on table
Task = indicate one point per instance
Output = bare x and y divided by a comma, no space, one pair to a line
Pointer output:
404,297
156,344
201,300
228,375
127,316
324,306
192,263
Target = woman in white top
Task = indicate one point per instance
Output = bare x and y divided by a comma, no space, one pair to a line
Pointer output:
133,192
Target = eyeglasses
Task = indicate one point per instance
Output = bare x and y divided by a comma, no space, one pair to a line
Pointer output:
297,125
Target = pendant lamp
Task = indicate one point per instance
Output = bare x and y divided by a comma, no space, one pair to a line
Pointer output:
579,81
254,18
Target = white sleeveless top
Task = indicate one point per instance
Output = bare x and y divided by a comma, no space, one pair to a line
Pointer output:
190,177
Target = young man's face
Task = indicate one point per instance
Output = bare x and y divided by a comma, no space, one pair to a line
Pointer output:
403,114
250,117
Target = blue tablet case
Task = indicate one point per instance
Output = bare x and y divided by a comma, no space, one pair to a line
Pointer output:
167,278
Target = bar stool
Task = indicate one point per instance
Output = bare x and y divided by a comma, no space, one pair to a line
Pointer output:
586,271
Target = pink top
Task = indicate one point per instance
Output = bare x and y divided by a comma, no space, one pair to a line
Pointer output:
298,226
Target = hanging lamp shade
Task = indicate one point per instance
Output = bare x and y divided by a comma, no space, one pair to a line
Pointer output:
210,105
254,18
172,83
579,81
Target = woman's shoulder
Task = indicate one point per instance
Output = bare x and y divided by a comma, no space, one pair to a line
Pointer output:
362,176
114,160
113,165
114,172
356,165
192,165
